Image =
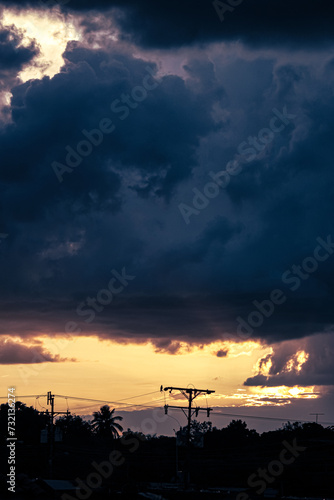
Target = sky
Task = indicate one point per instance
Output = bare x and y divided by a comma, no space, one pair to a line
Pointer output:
166,210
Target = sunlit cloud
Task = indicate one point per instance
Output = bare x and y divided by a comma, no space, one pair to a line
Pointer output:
295,363
273,396
51,30
301,357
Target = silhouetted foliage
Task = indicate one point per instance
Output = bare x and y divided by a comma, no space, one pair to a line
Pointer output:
134,434
219,456
236,433
199,427
299,430
105,424
28,422
74,428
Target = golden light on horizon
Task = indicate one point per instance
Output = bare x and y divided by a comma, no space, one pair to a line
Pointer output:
117,363
285,392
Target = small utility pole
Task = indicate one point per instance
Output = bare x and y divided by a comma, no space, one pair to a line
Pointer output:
190,394
316,416
51,401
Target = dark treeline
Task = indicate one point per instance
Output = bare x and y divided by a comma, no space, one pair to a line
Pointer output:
299,457
30,422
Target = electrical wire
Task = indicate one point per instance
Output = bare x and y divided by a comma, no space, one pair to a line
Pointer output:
266,418
140,395
116,403
170,416
37,399
30,396
120,405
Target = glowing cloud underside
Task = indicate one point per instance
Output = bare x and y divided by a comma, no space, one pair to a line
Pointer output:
52,33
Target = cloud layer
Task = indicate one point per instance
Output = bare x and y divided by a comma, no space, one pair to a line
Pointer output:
119,207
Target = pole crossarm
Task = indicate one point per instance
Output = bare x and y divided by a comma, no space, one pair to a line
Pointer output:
194,411
190,393
188,390
178,407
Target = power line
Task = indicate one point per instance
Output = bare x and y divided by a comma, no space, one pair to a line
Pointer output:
143,405
124,408
110,402
82,407
37,399
119,408
267,418
140,395
94,400
30,396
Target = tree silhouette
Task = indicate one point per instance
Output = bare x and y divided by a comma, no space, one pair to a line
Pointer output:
74,428
29,423
104,423
197,428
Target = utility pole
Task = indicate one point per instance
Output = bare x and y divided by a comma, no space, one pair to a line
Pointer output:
316,416
51,401
190,394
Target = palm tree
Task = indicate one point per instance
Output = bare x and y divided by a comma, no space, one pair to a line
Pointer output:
104,422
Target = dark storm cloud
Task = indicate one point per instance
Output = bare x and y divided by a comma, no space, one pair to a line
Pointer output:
217,233
164,320
49,115
13,55
175,23
12,353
